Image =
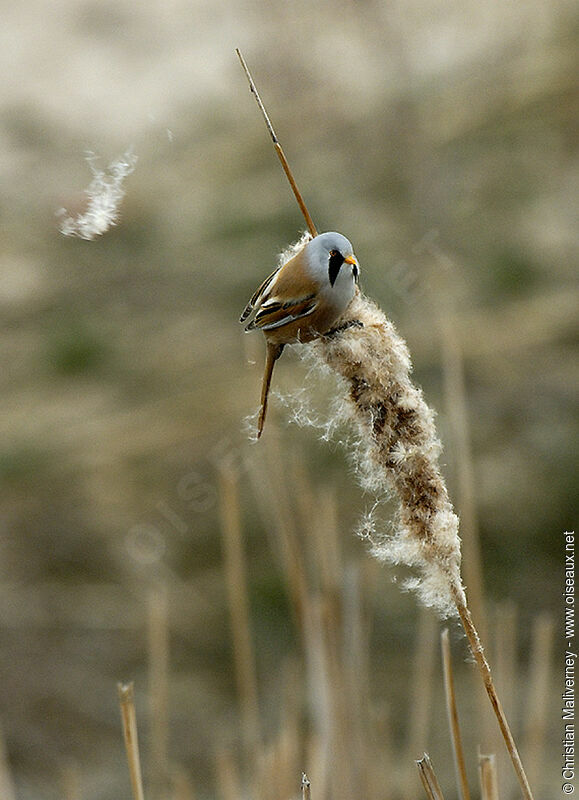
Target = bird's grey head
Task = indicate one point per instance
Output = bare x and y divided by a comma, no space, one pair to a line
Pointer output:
328,252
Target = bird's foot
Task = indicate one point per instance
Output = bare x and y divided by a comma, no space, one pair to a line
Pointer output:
351,323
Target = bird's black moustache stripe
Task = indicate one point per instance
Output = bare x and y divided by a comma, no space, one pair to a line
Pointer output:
336,261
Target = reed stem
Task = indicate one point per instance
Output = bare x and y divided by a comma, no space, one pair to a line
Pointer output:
158,646
236,579
452,712
488,777
129,718
278,148
485,672
429,779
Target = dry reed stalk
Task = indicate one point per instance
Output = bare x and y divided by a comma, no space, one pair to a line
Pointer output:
323,554
236,580
316,763
486,675
421,683
270,486
536,705
315,594
325,543
278,761
358,679
383,777
347,776
318,654
397,452
452,711
428,778
129,718
506,677
488,777
332,605
158,649
278,148
276,765
505,651
305,500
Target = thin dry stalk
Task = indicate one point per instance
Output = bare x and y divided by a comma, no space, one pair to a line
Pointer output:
506,678
337,632
485,671
278,148
488,777
326,548
306,793
316,763
236,580
278,761
345,767
326,615
158,641
535,722
269,474
452,711
271,489
357,677
505,652
291,746
305,500
429,779
421,689
129,718
322,697
276,765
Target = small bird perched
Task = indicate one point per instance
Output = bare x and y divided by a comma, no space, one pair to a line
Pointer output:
302,299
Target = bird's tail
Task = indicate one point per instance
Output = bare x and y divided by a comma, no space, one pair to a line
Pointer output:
273,352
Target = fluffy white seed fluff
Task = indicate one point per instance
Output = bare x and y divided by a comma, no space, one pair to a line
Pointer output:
104,193
392,439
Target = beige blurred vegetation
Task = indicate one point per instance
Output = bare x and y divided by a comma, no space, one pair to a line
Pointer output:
441,138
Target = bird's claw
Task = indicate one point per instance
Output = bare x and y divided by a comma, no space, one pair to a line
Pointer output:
351,323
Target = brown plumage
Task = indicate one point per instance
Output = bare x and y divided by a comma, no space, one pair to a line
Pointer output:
301,300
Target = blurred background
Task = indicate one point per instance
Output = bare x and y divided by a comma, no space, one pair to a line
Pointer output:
441,138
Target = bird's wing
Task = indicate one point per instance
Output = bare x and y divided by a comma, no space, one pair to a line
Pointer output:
258,294
274,313
287,295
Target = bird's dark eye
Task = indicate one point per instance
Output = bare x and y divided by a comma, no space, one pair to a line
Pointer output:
336,261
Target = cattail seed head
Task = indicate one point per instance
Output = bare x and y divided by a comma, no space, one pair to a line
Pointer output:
397,449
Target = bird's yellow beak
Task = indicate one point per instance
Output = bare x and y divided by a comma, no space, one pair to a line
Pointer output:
350,260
